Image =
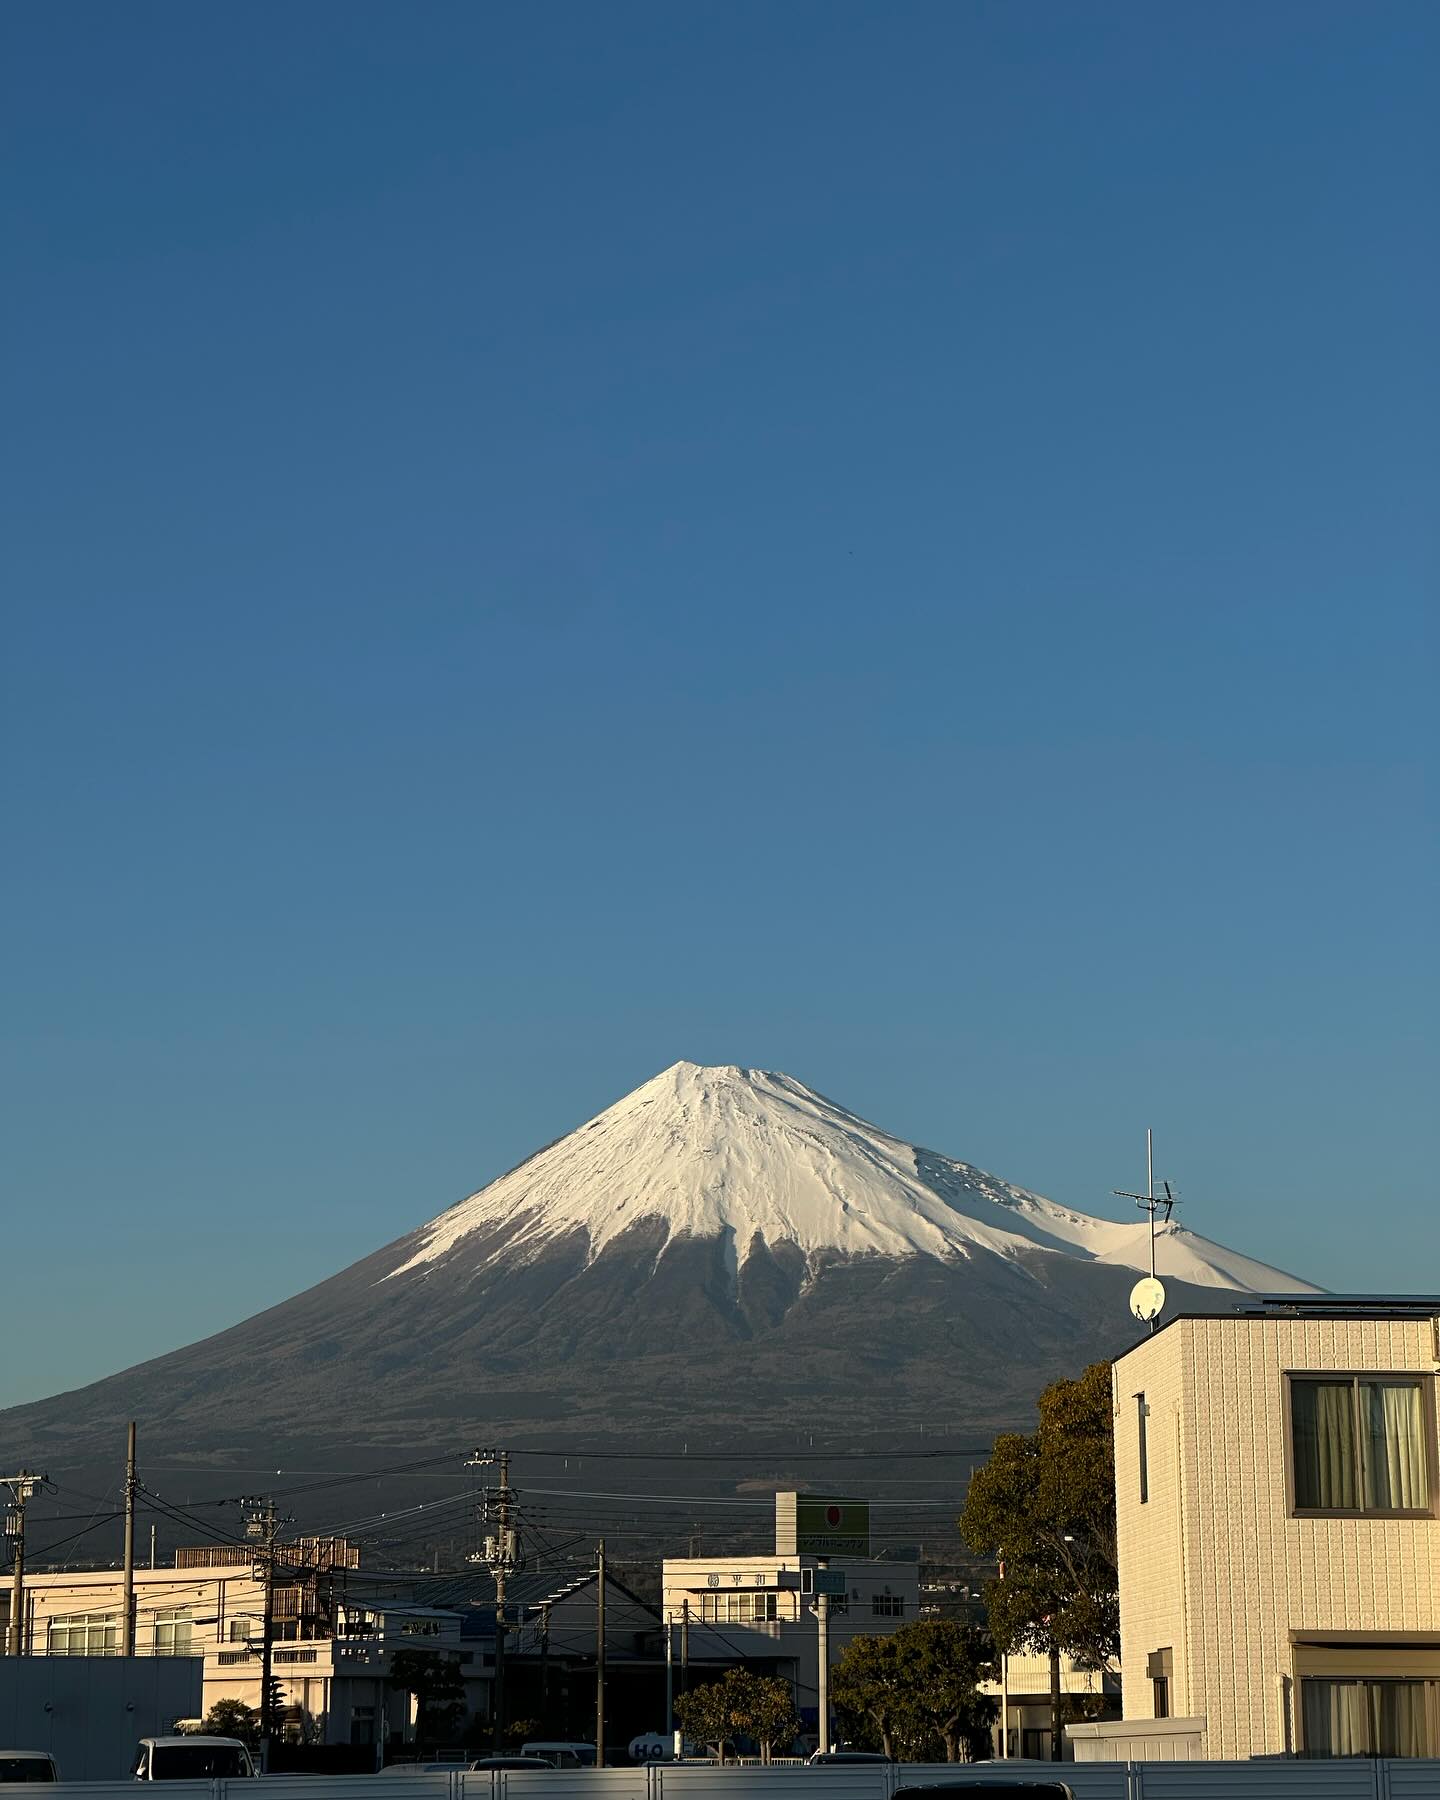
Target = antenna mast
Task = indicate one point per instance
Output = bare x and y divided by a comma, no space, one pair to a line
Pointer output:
1150,1191
1151,1203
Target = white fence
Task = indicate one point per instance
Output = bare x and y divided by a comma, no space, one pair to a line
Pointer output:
1268,1780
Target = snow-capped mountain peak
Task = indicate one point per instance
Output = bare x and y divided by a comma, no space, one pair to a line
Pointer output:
745,1153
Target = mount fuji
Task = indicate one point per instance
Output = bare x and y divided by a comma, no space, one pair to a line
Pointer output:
721,1252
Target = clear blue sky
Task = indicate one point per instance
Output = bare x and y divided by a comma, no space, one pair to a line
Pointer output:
894,542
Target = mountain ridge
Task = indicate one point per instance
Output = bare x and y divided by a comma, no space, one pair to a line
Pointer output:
826,1180
824,1272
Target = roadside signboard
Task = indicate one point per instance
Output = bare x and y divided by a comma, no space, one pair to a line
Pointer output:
821,1525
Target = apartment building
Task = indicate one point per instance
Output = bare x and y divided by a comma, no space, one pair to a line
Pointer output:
331,1650
1279,1545
1021,1691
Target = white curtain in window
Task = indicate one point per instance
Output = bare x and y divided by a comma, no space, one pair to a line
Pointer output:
1335,1718
1395,1458
1324,1423
1397,1719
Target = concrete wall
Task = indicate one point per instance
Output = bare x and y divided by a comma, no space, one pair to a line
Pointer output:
1215,1567
1341,1780
89,1712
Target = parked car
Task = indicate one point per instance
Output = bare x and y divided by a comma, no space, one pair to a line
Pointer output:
850,1756
512,1763
191,1759
562,1755
423,1768
988,1790
28,1765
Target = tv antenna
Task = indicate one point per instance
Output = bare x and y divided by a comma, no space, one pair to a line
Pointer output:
1147,1297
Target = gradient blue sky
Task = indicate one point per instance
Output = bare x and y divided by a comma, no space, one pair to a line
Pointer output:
894,542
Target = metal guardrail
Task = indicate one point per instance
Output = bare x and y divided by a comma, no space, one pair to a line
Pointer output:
1341,1779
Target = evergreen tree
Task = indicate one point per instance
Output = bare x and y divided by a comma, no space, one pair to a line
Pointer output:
1044,1508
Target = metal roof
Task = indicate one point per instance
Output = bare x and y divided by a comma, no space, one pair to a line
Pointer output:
471,1593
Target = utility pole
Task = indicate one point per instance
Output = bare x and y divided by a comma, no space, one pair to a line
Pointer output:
545,1667
501,1555
261,1525
600,1656
669,1676
152,1546
21,1487
1057,1730
128,1637
822,1667
1004,1703
685,1645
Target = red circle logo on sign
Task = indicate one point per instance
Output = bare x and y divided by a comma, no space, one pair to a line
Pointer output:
833,1516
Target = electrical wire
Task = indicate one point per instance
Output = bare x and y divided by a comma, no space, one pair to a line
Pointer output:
60,1543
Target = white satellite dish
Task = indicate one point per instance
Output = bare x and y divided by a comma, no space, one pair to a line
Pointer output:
1147,1297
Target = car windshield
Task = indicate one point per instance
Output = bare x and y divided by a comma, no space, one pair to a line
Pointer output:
26,1768
197,1762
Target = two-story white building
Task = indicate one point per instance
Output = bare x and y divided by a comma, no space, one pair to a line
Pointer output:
760,1609
1277,1485
331,1650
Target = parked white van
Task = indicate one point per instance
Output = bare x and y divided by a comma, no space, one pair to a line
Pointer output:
191,1759
563,1756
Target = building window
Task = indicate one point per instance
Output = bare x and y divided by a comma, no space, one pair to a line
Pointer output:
887,1606
83,1634
1142,1413
1358,1444
744,1608
172,1632
243,1628
1369,1718
751,1609
1160,1666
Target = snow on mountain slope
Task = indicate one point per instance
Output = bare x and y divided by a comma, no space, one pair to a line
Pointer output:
742,1151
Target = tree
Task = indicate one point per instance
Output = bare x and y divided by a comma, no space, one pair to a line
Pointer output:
918,1688
233,1718
766,1712
944,1663
868,1683
740,1704
1044,1508
433,1678
703,1715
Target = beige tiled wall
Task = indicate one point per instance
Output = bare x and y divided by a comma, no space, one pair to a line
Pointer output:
1213,1564
1152,1584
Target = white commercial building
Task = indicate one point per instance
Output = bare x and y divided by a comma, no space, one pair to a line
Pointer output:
1279,1545
761,1609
